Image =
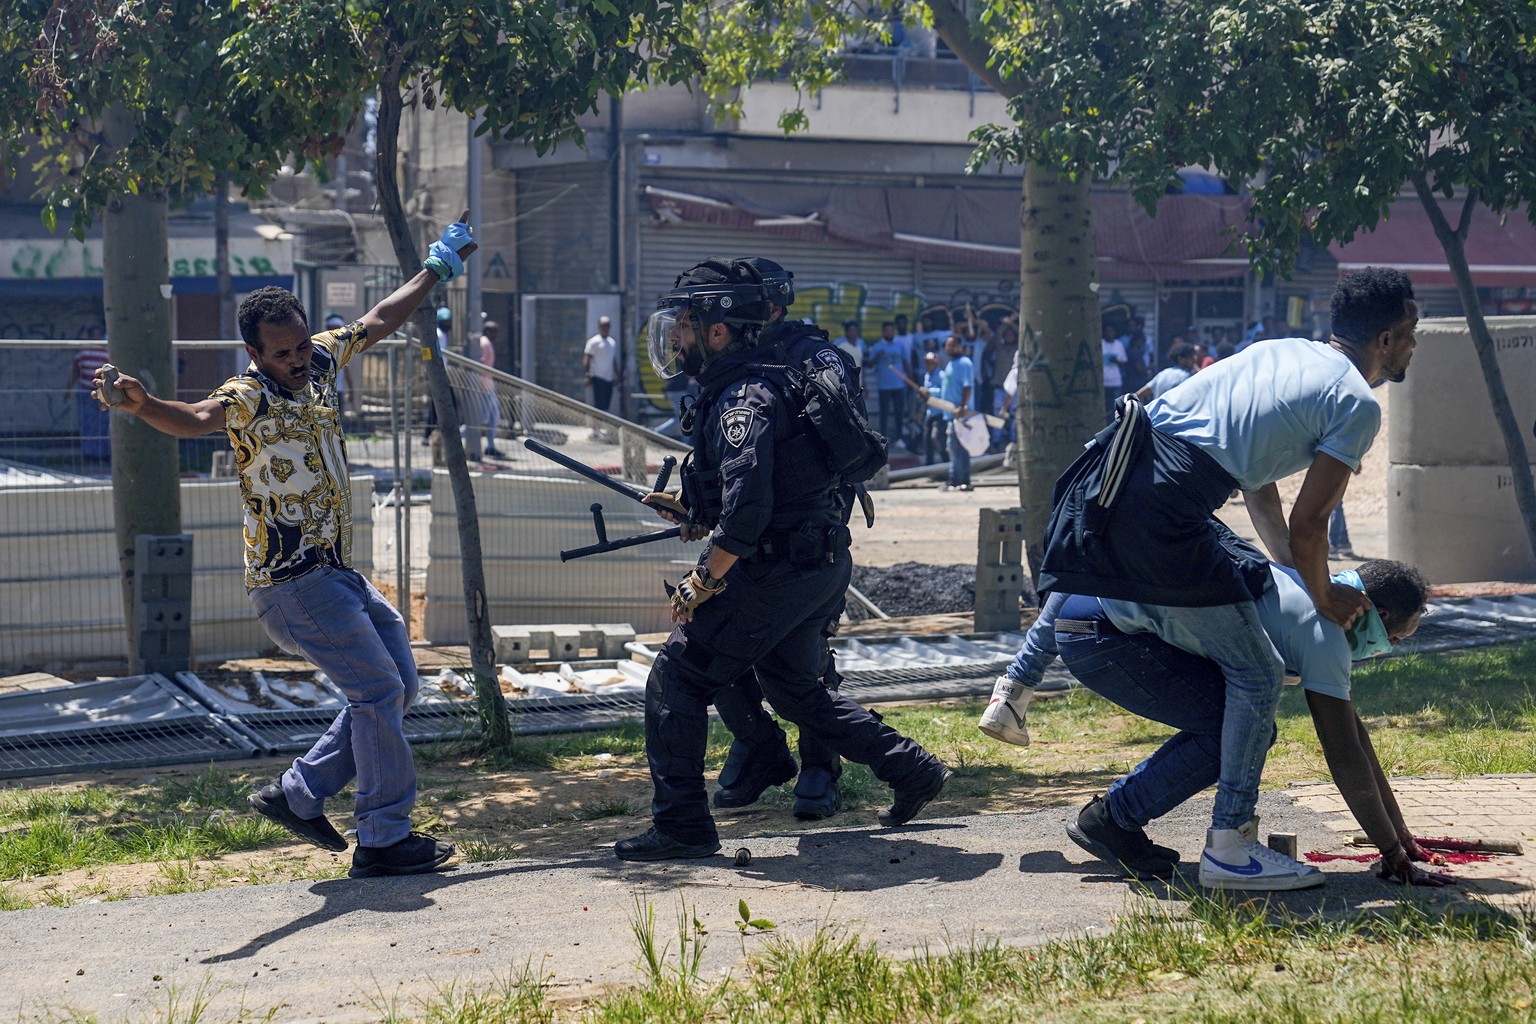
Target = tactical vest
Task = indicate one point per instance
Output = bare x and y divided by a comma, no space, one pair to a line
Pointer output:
800,465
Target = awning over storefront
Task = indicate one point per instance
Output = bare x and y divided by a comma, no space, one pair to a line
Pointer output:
1191,238
1501,254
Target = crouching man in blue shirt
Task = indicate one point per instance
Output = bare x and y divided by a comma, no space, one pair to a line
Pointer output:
1108,645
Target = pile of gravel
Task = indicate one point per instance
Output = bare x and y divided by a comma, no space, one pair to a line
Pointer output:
912,588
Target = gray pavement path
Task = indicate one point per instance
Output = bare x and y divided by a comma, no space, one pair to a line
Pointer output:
343,950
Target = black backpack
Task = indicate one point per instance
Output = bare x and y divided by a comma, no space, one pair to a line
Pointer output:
854,450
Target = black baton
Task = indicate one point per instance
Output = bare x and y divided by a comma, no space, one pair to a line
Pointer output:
596,476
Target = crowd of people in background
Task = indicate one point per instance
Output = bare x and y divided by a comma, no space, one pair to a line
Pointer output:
907,363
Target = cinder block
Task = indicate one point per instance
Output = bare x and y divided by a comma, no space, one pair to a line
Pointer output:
999,569
1000,538
1441,413
1457,524
517,644
608,638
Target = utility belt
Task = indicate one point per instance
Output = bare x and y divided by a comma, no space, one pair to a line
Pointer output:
806,547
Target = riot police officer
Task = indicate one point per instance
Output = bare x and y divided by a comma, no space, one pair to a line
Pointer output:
776,565
759,756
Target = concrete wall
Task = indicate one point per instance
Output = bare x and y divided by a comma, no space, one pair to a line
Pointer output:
525,522
1451,502
60,595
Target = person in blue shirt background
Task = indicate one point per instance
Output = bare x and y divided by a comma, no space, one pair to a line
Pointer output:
933,420
886,356
957,382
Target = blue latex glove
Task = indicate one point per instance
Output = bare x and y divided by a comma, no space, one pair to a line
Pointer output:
443,255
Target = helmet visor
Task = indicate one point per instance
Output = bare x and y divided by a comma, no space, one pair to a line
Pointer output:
666,360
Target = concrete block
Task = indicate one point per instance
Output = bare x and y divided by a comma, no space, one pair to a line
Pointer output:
608,638
1441,414
1457,524
1000,538
999,569
563,642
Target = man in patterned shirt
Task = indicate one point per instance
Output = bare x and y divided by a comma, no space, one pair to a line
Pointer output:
284,423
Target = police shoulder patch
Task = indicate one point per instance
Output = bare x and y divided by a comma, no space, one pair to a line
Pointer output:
829,358
736,424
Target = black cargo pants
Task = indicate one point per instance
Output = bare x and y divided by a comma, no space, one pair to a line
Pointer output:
770,619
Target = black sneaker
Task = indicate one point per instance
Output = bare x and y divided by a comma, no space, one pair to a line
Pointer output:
654,844
911,799
416,854
271,803
817,795
747,773
1096,831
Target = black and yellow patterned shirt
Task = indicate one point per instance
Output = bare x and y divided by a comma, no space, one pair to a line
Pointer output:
292,457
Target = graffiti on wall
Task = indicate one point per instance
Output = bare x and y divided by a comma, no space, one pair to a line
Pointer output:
832,305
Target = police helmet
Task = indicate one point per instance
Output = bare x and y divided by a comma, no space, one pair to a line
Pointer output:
779,282
716,291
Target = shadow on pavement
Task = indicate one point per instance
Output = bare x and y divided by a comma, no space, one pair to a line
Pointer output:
865,861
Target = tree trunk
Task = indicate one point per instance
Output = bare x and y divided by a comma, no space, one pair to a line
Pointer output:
146,488
1061,377
1453,242
1060,402
493,709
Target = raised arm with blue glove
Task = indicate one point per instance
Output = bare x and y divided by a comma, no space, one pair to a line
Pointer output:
443,257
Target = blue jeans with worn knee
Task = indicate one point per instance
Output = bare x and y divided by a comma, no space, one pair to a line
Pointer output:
1153,679
336,619
1231,636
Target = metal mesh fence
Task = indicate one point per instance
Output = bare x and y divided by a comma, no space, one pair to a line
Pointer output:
60,594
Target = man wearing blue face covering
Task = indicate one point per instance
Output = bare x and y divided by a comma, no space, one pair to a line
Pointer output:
1109,646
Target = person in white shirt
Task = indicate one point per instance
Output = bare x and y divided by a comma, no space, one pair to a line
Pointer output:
1114,358
601,365
491,406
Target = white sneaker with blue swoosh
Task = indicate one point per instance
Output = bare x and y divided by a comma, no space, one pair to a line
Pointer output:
1232,861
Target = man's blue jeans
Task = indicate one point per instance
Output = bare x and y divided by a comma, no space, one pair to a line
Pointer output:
959,459
1232,636
337,620
1155,680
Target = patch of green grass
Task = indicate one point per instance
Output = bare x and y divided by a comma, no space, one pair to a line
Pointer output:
171,820
1467,713
480,851
54,845
1214,960
519,998
10,899
613,807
